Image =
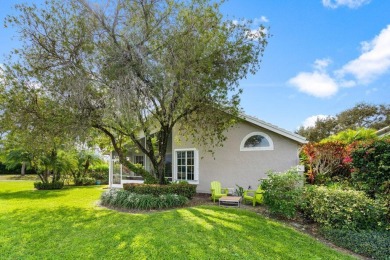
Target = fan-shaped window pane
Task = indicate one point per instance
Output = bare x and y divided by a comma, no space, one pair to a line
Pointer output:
256,141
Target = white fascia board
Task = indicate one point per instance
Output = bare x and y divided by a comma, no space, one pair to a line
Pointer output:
384,131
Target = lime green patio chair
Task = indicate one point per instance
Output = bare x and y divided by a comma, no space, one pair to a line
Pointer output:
254,196
216,190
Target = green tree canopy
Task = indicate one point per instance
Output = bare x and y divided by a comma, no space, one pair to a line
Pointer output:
137,68
360,116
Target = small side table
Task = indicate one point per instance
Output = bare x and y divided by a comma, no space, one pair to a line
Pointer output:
230,201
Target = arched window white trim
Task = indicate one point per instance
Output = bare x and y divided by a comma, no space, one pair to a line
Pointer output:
266,146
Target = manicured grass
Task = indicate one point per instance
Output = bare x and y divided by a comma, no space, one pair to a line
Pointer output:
67,224
18,177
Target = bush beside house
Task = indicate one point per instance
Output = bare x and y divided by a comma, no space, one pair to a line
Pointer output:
130,200
183,189
355,214
282,192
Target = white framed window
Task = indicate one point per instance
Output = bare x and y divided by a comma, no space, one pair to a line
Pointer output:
139,159
256,141
186,165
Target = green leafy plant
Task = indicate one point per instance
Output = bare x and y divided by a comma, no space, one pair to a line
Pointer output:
100,173
343,208
85,181
48,186
370,243
371,164
182,188
129,200
282,192
239,191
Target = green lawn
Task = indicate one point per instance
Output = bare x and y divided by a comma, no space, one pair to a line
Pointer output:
67,224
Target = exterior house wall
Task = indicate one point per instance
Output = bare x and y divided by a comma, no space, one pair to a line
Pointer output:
231,166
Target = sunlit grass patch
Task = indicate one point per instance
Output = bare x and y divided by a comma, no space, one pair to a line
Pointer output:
68,224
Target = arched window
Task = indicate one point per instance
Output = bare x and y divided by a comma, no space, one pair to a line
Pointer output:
256,141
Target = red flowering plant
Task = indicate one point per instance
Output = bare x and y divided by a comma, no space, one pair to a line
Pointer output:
325,162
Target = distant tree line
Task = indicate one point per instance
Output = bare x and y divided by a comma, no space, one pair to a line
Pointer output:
362,115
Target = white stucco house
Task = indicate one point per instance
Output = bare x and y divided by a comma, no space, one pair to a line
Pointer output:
253,147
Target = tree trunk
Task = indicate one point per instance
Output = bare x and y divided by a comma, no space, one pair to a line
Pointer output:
161,171
23,170
148,177
163,137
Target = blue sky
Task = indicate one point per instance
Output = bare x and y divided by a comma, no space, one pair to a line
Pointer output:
324,57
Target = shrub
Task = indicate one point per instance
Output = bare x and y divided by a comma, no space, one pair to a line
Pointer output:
183,189
282,192
100,172
343,208
129,200
325,162
85,181
370,243
48,186
371,164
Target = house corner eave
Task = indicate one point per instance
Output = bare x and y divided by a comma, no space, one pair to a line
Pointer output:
275,129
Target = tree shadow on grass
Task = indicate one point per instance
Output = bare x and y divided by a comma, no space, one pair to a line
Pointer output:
70,232
40,194
30,194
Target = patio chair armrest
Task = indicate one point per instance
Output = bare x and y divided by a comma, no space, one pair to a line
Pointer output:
249,191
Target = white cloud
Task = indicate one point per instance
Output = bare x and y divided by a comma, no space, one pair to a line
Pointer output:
373,62
349,3
310,121
316,83
321,64
258,21
236,22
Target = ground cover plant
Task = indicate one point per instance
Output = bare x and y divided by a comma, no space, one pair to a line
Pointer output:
130,200
67,224
372,243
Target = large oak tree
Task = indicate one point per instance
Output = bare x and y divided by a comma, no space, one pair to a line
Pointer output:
137,68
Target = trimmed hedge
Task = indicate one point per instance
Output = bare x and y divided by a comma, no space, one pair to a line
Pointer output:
183,189
129,200
48,186
375,244
343,209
